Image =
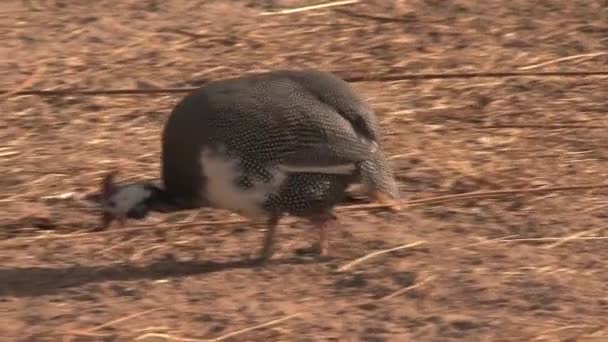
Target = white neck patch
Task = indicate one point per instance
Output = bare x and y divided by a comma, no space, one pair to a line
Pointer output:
222,191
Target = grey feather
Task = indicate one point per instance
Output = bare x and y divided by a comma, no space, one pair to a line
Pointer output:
377,175
308,123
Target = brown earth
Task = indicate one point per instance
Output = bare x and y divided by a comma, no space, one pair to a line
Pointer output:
518,266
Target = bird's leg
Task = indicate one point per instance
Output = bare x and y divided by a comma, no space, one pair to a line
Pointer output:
323,223
268,246
122,220
107,220
323,241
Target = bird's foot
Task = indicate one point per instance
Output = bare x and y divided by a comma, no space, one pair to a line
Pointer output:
265,255
268,246
315,251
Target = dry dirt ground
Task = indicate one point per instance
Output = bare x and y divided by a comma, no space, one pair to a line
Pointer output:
524,266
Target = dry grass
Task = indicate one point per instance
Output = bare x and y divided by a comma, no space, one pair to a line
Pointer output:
495,119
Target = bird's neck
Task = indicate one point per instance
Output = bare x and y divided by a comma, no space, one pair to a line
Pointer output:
163,201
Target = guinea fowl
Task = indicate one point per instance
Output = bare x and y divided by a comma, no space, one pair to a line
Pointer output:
263,145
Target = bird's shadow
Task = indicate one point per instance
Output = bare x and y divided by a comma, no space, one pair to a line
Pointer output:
39,281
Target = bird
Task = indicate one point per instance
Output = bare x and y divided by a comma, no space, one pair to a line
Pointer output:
263,145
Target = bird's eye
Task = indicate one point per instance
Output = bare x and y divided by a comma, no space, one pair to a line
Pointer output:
111,203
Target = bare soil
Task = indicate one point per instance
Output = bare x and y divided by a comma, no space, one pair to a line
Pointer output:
519,266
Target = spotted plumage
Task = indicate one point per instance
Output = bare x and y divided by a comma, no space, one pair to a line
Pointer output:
270,144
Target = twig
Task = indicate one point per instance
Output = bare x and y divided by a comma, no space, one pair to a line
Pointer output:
85,334
494,193
553,126
30,6
572,237
358,207
120,244
363,207
311,7
543,239
137,255
544,334
169,337
255,327
598,207
122,319
479,243
220,338
563,59
409,288
188,34
91,332
18,241
94,92
155,328
31,80
353,79
4,153
380,18
375,254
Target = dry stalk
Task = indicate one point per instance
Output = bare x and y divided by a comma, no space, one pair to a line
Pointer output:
26,240
122,319
483,242
118,245
547,333
393,77
139,254
544,239
169,337
541,126
359,207
30,81
598,207
311,7
220,338
158,328
377,253
84,334
563,59
255,327
91,331
379,18
498,193
572,237
409,288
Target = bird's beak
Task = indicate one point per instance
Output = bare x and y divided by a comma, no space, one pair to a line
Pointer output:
391,203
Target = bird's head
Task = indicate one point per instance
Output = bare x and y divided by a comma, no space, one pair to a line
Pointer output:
128,201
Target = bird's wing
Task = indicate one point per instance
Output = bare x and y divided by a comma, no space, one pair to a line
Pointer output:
328,144
302,122
342,98
324,158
